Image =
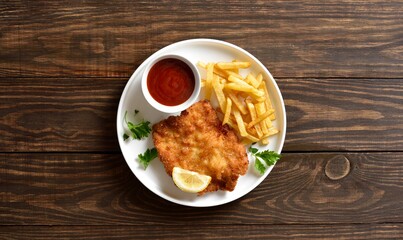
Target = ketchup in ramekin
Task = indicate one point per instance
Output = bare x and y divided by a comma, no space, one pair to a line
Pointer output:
171,83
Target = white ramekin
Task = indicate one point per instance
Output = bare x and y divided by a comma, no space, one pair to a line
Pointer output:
171,109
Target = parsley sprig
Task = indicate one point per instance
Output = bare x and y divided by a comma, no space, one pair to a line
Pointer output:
264,159
138,131
147,157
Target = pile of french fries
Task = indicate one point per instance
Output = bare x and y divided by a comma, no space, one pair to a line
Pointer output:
244,101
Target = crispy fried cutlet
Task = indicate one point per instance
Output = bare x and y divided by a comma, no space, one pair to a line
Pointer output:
197,141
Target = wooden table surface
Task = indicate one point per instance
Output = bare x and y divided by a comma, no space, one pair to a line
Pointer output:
63,67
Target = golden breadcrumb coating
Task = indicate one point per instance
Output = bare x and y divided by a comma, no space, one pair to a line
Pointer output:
197,141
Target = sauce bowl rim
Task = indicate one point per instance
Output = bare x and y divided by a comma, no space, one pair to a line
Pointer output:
177,108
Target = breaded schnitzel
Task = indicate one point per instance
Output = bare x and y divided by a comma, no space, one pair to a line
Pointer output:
197,141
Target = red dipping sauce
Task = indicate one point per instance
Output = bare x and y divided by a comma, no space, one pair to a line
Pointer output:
170,82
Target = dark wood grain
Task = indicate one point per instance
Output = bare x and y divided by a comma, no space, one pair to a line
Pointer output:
91,189
358,231
59,114
63,67
343,114
79,114
292,38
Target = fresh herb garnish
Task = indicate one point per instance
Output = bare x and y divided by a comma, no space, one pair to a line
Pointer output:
259,166
253,150
139,130
264,159
147,157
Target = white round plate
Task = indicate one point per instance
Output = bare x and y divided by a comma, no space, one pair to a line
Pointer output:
154,177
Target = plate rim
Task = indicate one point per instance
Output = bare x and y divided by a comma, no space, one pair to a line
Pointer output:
238,49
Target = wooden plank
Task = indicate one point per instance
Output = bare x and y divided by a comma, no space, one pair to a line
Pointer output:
360,231
292,38
99,189
59,114
70,115
343,114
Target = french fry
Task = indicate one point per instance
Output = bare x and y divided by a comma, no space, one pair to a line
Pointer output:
233,124
244,88
222,80
225,73
265,141
248,139
209,79
227,111
260,99
237,87
246,79
261,118
265,138
229,73
237,102
252,80
259,80
267,100
252,138
252,112
260,110
236,70
240,123
238,80
219,93
202,64
247,119
233,65
252,132
244,102
272,131
269,123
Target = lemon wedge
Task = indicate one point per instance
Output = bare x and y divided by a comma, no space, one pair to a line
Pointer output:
189,181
